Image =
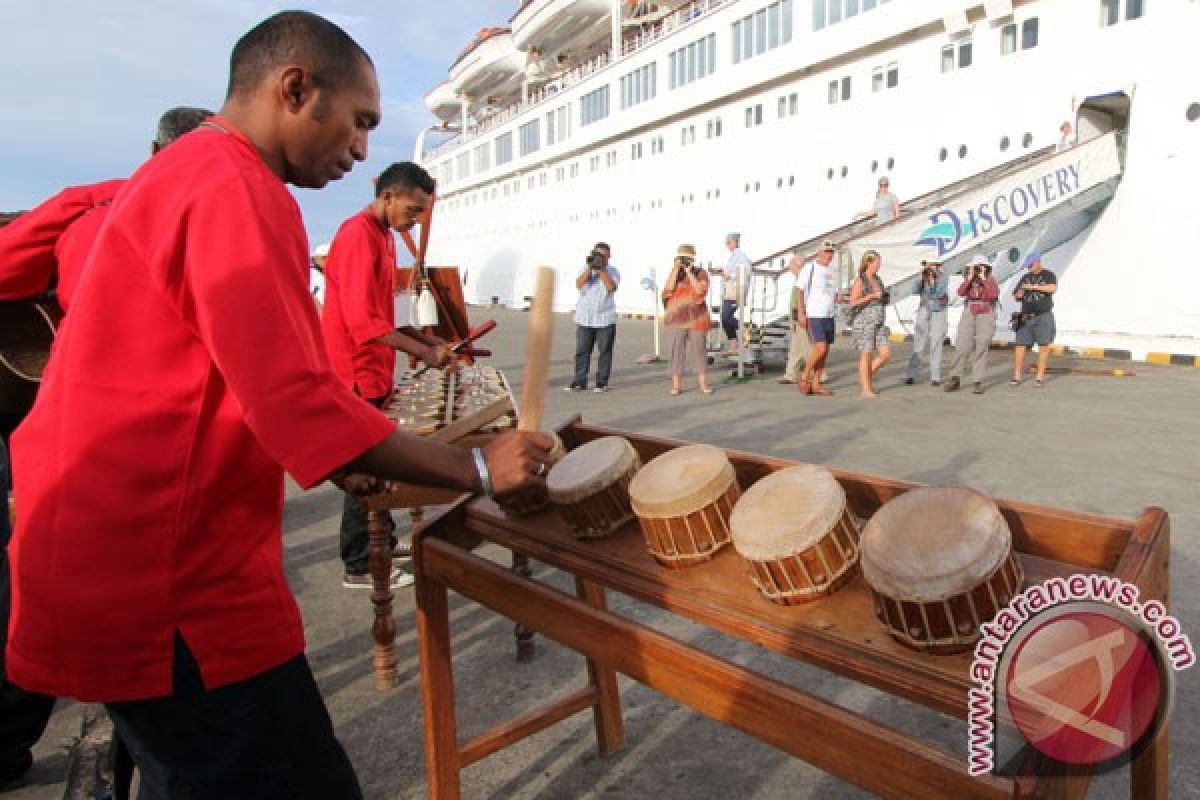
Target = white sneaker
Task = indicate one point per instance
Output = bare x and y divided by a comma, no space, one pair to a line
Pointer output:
400,579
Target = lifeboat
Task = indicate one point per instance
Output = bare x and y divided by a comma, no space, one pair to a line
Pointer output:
444,103
556,26
491,65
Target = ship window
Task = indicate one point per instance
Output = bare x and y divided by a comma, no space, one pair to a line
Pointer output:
829,174
764,30
1029,33
464,165
962,151
793,104
942,154
1193,112
891,164
893,75
503,149
964,55
1133,9
782,107
868,5
845,88
835,12
948,58
1008,39
593,106
1027,140
1110,12
694,61
818,14
779,183
791,180
756,186
845,171
875,166
1014,255
833,92
529,133
877,79
639,86
1004,143
851,8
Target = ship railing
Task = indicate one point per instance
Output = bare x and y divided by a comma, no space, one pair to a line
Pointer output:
656,28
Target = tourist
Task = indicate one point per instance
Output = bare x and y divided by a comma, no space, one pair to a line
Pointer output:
868,303
1035,324
929,327
687,318
976,326
595,318
816,299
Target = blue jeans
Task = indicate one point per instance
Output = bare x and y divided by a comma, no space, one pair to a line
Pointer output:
729,320
585,340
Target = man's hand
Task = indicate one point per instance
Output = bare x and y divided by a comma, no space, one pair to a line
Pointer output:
357,485
517,460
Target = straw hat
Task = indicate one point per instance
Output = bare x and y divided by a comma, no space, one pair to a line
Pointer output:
686,251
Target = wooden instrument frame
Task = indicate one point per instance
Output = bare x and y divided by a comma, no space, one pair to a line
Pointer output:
839,634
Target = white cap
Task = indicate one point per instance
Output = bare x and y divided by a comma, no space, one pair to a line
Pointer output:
322,250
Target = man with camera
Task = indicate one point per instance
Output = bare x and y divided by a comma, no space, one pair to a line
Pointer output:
976,325
1035,324
595,318
929,332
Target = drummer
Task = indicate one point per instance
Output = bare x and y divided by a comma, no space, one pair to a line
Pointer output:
147,556
359,324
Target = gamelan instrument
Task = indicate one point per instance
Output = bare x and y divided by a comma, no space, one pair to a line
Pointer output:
590,486
683,500
940,563
796,533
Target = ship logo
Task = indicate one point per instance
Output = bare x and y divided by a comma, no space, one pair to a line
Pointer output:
945,232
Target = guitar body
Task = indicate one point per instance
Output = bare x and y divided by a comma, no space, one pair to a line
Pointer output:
27,331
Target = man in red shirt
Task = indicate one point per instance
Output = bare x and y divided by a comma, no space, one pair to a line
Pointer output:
360,326
190,375
48,246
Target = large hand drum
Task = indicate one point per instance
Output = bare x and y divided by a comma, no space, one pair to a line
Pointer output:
939,562
590,486
683,500
795,532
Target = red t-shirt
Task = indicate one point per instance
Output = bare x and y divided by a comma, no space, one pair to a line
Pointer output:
29,246
72,249
188,376
358,304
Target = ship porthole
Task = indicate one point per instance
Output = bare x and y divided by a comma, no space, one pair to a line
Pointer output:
1193,112
1027,140
1004,143
943,154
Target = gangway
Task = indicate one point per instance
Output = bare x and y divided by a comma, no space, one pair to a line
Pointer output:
1040,200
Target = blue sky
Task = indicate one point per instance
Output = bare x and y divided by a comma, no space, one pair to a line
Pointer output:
83,82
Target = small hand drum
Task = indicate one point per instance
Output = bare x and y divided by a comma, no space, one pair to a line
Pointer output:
939,562
683,500
796,534
590,486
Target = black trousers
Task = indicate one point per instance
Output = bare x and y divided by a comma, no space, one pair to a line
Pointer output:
729,320
265,738
352,533
23,715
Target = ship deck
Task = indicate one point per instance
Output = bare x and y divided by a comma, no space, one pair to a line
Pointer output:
1086,442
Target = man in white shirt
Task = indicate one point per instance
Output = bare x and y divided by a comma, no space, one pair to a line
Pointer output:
816,297
735,281
595,318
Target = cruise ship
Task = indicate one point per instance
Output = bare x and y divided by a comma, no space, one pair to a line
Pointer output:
648,124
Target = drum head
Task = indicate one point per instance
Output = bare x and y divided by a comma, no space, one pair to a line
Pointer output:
932,543
681,481
590,468
786,512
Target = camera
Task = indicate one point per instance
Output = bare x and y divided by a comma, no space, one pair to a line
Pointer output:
595,260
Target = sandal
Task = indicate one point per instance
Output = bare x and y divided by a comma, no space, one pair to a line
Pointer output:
706,389
675,391
1015,382
1038,383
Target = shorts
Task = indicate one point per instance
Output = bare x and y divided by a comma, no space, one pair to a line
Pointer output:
822,329
871,337
1038,330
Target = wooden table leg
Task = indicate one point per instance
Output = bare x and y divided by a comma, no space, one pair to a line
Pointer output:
437,688
524,635
610,732
379,562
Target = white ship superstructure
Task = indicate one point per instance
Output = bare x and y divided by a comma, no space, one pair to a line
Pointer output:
645,125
